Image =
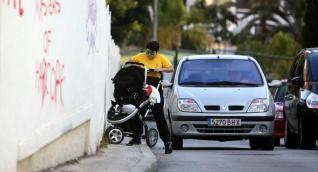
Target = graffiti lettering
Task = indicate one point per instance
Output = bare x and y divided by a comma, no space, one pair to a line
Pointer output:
91,25
49,80
46,41
14,5
48,7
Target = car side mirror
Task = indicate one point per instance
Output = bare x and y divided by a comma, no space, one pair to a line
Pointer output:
297,81
167,84
275,84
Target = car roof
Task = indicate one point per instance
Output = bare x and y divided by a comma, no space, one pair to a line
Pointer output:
311,50
218,56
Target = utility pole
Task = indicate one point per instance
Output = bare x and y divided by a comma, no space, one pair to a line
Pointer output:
155,21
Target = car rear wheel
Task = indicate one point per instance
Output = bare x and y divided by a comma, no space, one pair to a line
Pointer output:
290,139
277,141
263,143
307,137
177,143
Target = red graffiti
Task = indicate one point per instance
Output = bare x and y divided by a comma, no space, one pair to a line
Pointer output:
50,80
15,4
48,7
46,41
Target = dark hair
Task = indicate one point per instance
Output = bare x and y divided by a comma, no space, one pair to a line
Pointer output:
153,45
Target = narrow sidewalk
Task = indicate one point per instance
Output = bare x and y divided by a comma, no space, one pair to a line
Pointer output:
115,158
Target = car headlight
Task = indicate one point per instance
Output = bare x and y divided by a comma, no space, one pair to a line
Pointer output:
312,100
259,105
188,105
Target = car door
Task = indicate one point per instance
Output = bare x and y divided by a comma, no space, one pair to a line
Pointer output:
292,96
168,93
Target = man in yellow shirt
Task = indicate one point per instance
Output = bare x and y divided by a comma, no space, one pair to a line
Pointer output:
159,63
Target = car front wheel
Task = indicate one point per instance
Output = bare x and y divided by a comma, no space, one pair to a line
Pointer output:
177,143
307,139
290,139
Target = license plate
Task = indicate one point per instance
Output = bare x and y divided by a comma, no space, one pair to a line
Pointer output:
224,122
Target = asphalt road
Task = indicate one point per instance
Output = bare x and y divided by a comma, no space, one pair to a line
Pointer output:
215,156
208,156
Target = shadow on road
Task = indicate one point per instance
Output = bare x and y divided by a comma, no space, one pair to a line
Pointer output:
214,148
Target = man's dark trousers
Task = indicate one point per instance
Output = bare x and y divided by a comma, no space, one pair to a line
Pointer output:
136,125
158,114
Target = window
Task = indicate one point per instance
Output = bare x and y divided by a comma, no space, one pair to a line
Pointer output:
314,66
300,66
205,72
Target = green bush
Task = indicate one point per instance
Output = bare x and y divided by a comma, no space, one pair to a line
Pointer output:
196,38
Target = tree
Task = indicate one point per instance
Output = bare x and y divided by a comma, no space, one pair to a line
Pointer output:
266,15
170,18
196,38
282,44
272,16
310,30
295,11
130,21
216,18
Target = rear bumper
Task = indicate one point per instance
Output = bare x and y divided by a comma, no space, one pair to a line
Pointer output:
279,128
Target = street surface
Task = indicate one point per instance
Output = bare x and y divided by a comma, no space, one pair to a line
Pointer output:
207,156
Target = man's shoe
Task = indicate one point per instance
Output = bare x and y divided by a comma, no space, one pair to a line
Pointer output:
134,141
168,148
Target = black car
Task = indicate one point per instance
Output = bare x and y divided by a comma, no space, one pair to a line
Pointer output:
301,101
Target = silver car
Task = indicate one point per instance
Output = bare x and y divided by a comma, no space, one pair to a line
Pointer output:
220,97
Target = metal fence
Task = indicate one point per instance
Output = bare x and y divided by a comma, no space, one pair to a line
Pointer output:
274,66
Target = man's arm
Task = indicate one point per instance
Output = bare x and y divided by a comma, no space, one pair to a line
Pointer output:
166,65
167,70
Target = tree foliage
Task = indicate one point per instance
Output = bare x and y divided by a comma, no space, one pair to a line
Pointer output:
196,38
216,18
130,20
282,44
171,15
310,30
272,16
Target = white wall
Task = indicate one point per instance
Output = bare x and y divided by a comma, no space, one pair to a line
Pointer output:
55,62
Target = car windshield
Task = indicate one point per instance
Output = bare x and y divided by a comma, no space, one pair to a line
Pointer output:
313,66
220,72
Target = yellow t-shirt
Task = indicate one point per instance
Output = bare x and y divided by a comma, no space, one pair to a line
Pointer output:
159,61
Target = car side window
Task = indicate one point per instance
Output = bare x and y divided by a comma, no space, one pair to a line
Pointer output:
300,66
292,69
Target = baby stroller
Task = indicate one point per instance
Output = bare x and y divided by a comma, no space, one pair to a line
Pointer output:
132,97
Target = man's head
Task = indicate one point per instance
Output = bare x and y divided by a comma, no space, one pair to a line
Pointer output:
152,48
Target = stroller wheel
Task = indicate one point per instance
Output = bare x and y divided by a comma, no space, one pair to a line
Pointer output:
152,137
115,134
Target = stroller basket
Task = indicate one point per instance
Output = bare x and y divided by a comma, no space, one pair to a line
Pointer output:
117,116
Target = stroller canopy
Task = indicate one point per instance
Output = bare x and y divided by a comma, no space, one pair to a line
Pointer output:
129,83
